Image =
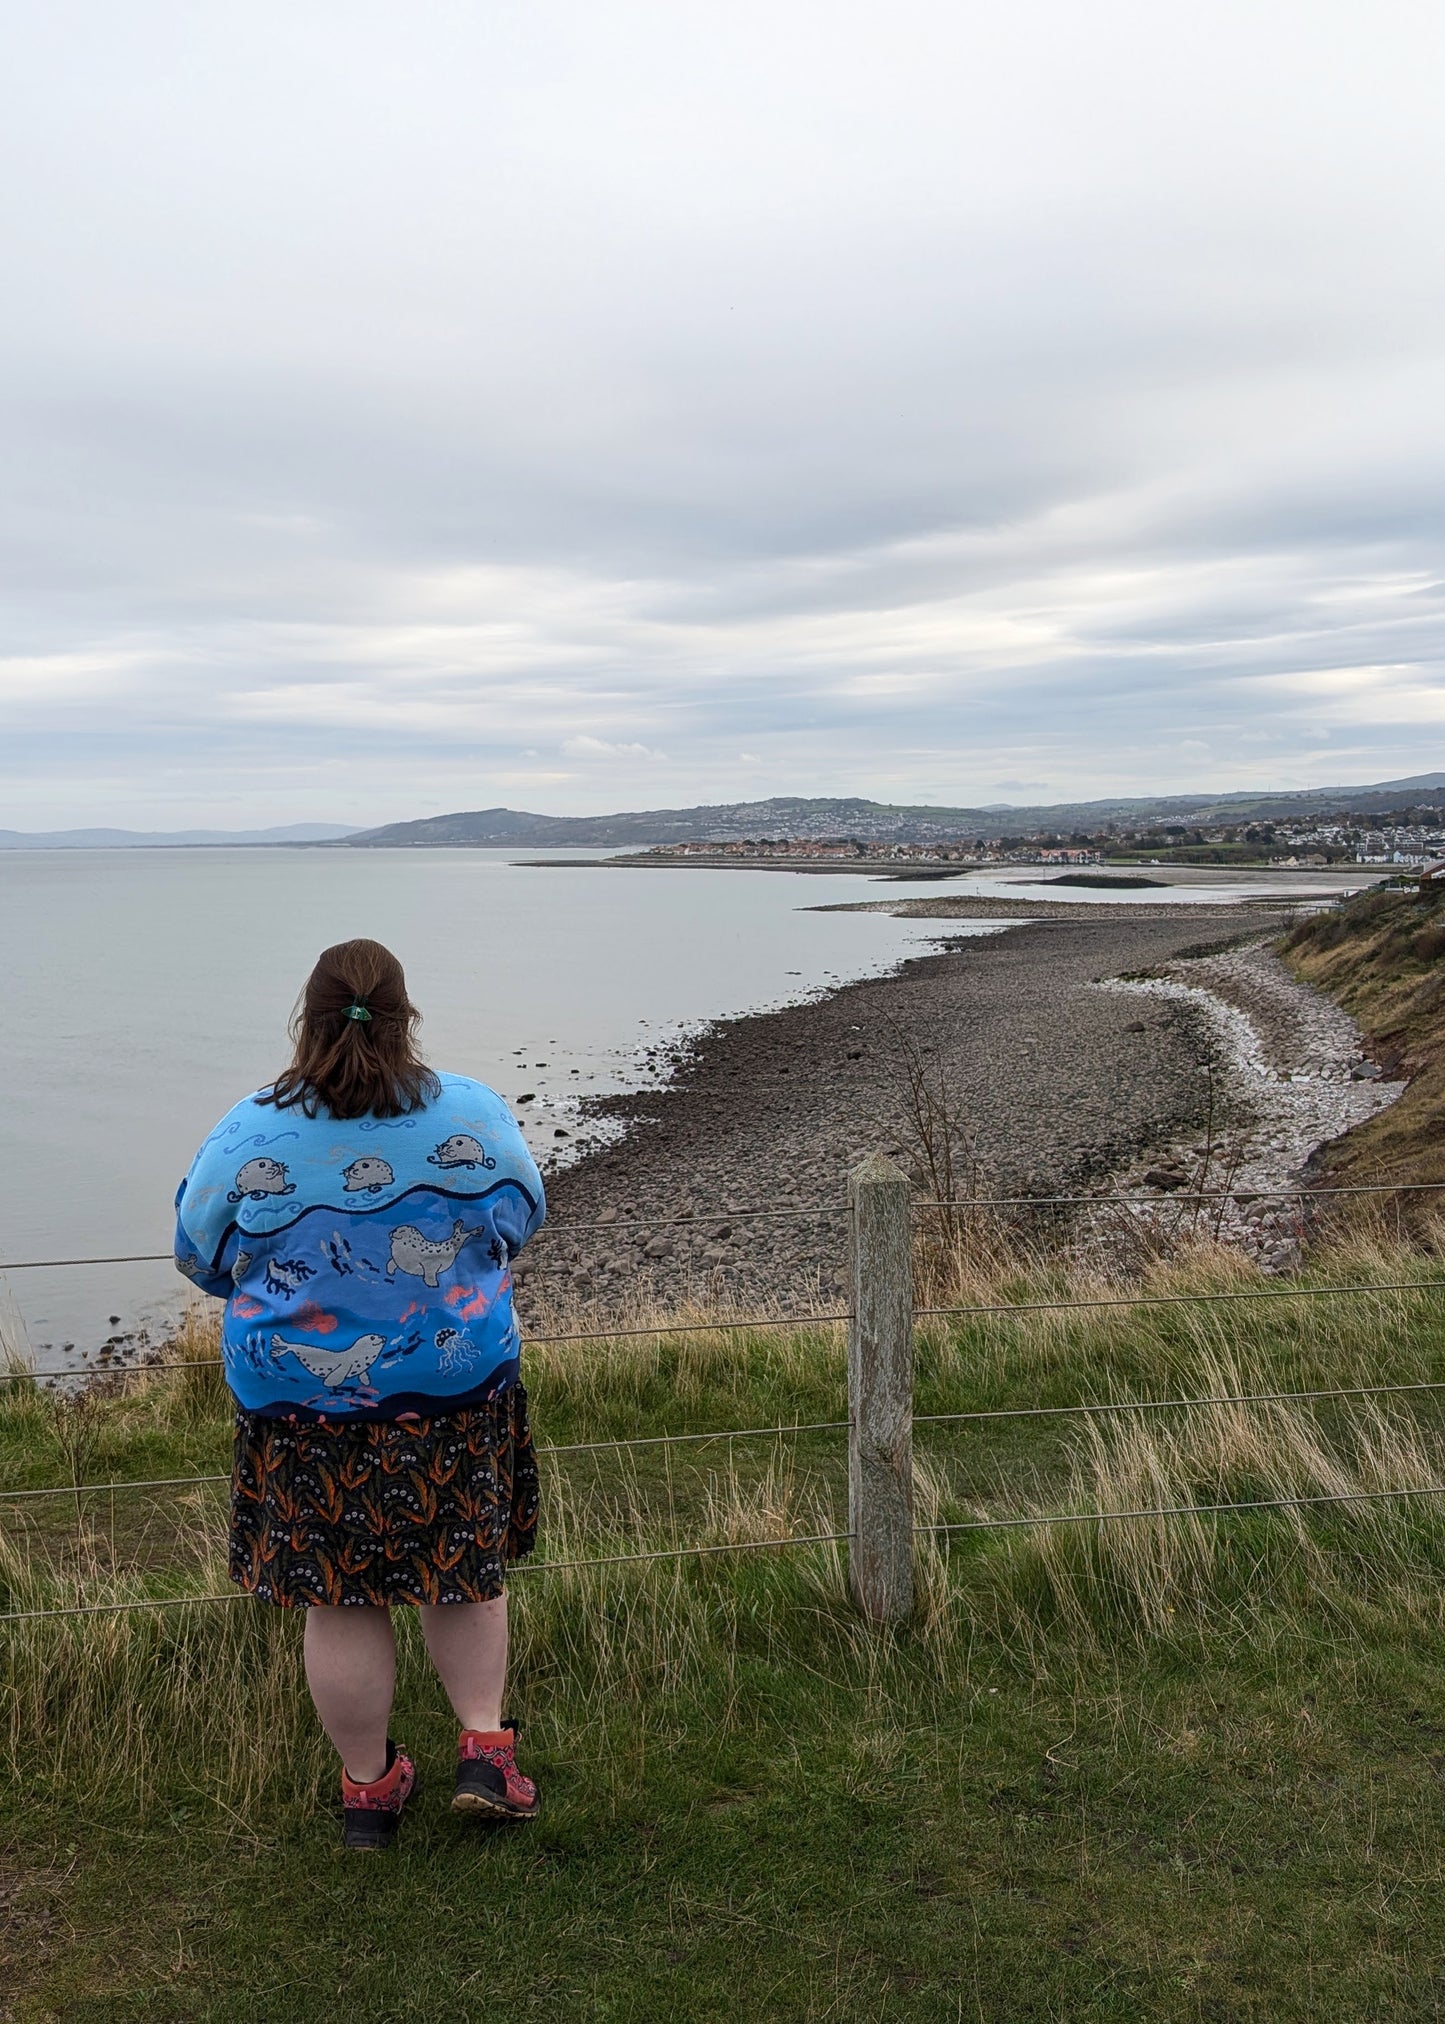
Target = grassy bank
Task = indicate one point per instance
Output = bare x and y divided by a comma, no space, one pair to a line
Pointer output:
1382,956
1167,1769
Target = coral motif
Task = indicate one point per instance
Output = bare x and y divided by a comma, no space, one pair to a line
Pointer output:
470,1302
286,1276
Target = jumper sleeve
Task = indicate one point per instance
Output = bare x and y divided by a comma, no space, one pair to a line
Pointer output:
208,1235
514,1224
206,1265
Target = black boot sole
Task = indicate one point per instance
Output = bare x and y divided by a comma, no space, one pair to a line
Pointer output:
495,1809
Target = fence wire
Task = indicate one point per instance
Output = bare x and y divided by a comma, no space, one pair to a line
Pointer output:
563,1448
520,1567
1353,1391
1188,1299
1161,1198
603,1333
810,1211
1183,1510
942,1527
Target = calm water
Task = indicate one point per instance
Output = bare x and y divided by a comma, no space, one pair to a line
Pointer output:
143,991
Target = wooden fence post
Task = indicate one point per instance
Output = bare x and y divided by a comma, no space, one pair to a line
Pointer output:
880,1390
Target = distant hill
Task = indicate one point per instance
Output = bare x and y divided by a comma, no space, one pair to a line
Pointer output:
156,839
796,816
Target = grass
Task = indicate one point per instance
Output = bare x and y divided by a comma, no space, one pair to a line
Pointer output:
1182,1769
1379,954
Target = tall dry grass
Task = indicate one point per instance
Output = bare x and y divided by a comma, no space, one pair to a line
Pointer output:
116,1702
1297,1570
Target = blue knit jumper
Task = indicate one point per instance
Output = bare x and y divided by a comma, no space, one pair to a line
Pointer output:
365,1263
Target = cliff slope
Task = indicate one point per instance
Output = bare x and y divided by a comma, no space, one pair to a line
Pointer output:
1381,955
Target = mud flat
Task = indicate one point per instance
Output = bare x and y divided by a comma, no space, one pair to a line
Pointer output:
1062,1085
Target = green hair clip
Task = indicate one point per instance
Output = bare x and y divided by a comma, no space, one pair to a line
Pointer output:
357,1012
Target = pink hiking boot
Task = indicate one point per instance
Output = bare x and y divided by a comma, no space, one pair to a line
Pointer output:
488,1780
371,1814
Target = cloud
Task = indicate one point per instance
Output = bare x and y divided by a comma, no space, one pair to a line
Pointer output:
390,410
602,748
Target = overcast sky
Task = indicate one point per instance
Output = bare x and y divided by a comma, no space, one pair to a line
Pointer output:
578,406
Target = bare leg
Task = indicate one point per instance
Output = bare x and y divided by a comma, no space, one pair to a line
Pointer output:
468,1646
351,1671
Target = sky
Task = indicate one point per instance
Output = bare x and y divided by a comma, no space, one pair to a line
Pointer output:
579,407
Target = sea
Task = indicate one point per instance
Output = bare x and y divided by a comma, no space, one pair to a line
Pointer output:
143,991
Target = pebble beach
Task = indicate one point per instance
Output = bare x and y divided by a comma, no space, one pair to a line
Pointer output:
1080,1050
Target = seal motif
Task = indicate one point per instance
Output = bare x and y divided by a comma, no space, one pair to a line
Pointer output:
425,1258
461,1150
367,1175
260,1178
334,1367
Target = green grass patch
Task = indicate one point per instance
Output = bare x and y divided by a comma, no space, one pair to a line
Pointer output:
1181,1769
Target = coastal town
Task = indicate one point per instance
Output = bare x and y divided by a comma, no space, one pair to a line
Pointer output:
1410,839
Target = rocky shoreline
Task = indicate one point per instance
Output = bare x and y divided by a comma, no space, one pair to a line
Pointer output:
1062,1086
1291,1075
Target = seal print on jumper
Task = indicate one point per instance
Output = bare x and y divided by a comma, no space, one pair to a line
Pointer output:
461,1150
344,1256
426,1258
259,1178
334,1367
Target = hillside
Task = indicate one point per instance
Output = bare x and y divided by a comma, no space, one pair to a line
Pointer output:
799,816
1382,956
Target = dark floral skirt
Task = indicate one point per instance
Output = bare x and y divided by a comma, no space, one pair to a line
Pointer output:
383,1511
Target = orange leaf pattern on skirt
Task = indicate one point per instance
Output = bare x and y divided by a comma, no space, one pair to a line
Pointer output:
375,1512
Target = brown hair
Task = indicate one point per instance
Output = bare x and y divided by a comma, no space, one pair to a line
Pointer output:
354,1038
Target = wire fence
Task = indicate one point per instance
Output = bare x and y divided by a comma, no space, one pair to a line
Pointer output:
942,1528
675,1553
605,1332
789,1429
913,1315
811,1211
